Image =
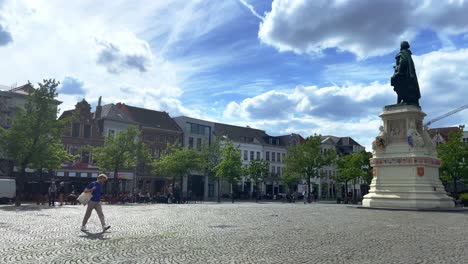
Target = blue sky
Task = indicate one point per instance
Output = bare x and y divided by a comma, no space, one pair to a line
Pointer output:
283,66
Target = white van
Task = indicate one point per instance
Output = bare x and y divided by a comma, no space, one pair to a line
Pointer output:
7,190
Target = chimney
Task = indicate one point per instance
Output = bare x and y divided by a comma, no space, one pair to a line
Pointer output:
98,109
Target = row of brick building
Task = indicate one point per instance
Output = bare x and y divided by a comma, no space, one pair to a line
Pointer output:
158,129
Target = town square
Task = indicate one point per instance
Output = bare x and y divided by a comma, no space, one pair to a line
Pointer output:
233,131
233,233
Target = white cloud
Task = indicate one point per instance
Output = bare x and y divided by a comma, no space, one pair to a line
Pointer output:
442,76
365,28
339,102
108,46
352,110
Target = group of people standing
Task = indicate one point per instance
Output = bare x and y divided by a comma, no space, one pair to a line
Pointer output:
55,191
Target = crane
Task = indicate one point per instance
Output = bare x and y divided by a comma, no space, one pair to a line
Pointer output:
446,115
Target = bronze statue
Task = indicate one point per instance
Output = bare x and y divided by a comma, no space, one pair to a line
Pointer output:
404,80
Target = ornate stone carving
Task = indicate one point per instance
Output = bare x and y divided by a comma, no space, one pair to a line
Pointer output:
380,141
415,140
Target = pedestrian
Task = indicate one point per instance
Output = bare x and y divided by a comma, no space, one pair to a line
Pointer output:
52,193
95,188
61,191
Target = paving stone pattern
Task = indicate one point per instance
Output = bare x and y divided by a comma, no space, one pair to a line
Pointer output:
233,233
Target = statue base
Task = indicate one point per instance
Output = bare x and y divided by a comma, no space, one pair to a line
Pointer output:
405,164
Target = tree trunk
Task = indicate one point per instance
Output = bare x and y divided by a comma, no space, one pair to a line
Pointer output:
19,185
115,184
232,194
308,189
256,192
455,192
219,190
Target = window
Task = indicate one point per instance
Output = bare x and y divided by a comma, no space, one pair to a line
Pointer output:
284,154
199,129
247,139
190,142
245,154
273,157
76,130
273,170
267,155
87,131
111,132
278,157
258,155
252,155
279,171
198,144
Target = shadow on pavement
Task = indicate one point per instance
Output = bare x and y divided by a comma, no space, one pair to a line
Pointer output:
93,236
12,208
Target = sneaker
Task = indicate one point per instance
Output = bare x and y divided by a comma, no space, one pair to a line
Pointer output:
104,228
83,228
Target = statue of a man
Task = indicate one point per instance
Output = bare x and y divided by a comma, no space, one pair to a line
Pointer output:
404,80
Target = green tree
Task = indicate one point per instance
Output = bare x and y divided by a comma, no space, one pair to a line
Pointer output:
34,137
256,171
121,151
454,156
307,159
353,167
210,157
290,179
230,167
365,157
177,162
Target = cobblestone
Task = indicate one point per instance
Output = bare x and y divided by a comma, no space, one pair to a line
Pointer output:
233,233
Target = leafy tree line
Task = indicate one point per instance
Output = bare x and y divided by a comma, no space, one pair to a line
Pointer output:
454,156
304,162
34,140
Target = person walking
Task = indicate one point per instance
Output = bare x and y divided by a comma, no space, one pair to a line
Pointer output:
52,193
95,188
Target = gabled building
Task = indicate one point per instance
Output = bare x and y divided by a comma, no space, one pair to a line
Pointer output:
440,135
157,130
84,131
12,99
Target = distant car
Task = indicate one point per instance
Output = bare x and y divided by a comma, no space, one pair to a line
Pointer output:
7,190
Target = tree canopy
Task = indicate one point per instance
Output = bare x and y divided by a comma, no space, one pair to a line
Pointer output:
454,156
230,167
177,162
211,156
121,151
307,159
33,139
256,171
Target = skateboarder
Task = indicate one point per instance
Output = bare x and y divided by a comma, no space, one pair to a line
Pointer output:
95,188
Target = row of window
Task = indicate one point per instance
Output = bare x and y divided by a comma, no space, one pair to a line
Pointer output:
275,171
191,142
159,138
77,132
275,156
198,129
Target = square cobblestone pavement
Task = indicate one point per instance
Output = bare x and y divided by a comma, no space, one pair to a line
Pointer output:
233,233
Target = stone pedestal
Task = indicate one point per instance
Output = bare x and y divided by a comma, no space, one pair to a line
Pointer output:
405,164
